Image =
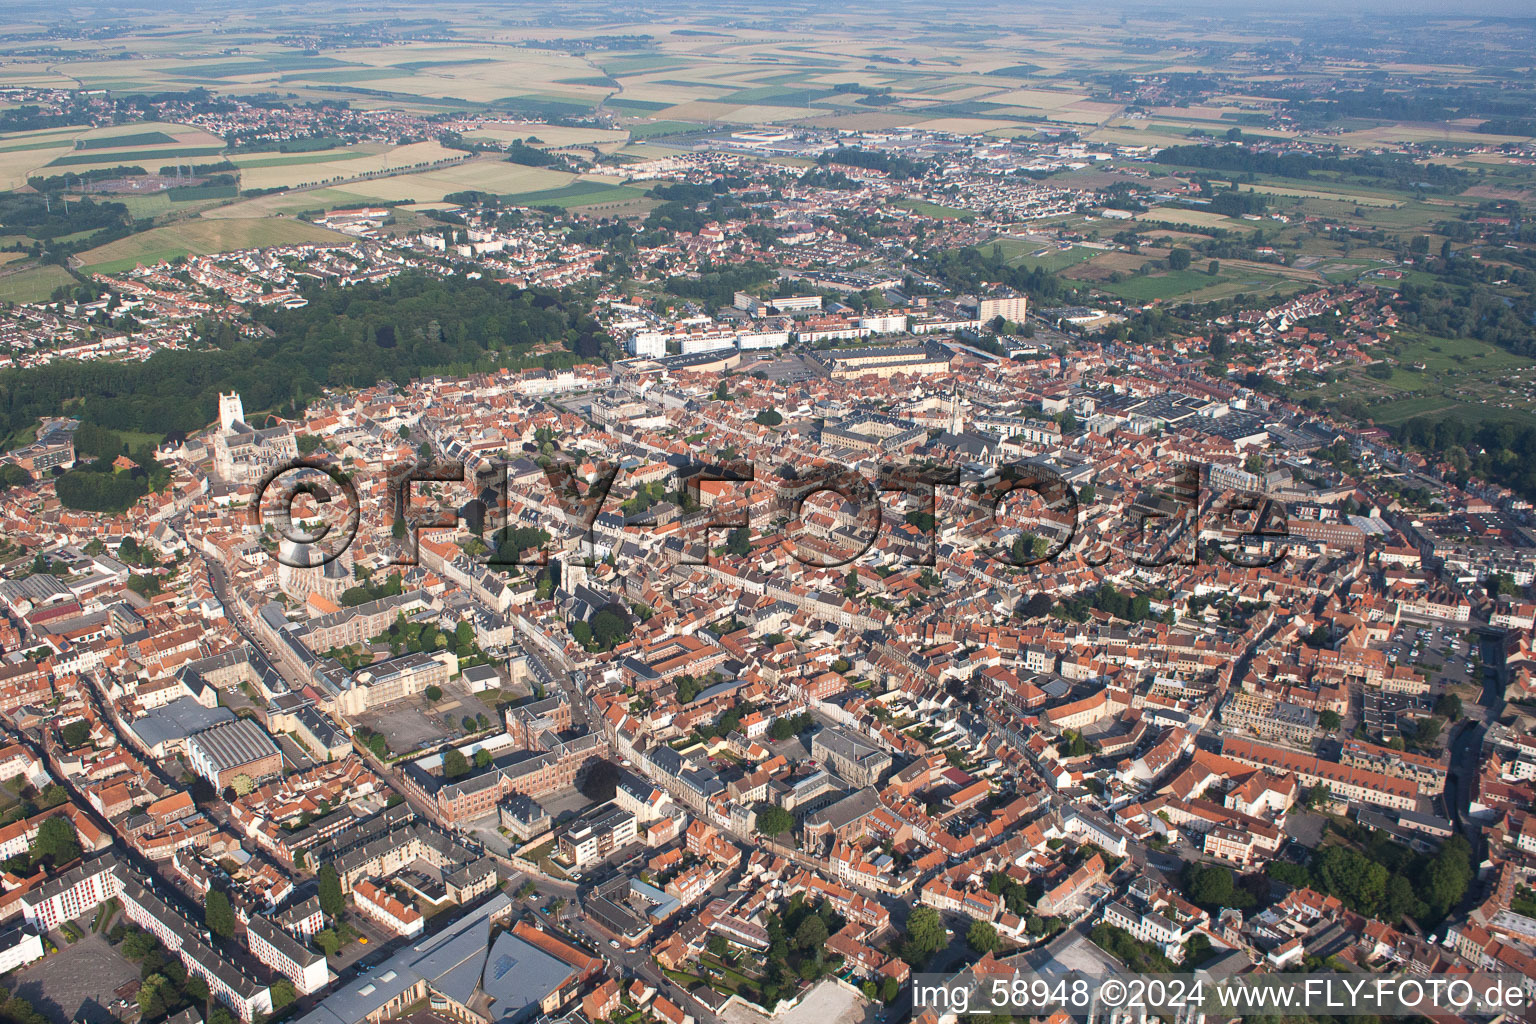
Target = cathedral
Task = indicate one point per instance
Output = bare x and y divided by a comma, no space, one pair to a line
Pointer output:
241,453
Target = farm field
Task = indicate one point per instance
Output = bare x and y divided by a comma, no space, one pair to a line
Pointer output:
317,156
201,236
33,284
303,173
577,194
1188,217
54,151
550,136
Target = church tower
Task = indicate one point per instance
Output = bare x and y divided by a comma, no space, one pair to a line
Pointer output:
956,420
231,411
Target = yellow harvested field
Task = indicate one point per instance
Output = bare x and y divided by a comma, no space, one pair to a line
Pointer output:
698,110
1087,112
284,203
33,77
1044,99
1421,133
483,175
1197,218
768,115
298,175
60,135
17,165
1312,193
184,134
968,125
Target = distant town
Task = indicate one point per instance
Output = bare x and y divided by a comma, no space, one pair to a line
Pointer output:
487,543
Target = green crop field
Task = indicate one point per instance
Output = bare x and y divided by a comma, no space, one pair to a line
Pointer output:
152,159
657,129
34,284
201,236
124,141
577,193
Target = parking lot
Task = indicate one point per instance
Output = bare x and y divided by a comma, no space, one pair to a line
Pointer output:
78,982
406,726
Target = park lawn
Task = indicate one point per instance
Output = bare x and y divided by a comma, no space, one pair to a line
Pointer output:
1442,355
34,284
1460,377
933,210
1021,252
201,237
1167,285
1393,413
1057,259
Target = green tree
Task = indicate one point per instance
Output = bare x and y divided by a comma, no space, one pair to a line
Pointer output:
137,945
812,933
1329,721
76,733
332,901
774,821
718,945
378,745
328,942
482,759
454,764
218,915
434,693
925,932
1178,259
981,937
283,993
55,842
155,995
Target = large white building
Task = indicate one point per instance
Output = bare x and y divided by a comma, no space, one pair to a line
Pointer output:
286,955
65,897
1010,307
